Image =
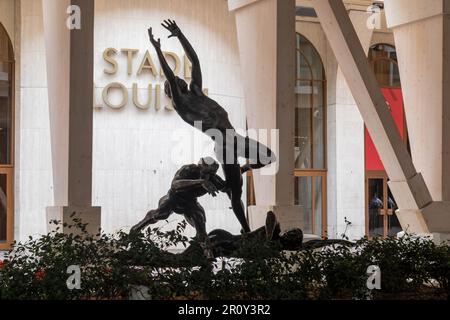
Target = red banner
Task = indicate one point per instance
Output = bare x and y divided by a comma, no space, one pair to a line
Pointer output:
394,99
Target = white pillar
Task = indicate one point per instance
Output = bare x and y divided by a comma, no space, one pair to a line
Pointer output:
266,36
346,163
57,45
422,39
70,89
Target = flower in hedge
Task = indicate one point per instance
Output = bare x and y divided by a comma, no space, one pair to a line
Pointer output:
107,270
2,264
39,275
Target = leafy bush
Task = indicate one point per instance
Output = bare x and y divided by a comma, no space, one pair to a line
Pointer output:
112,266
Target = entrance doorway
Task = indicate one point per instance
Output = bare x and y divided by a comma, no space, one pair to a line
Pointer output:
380,207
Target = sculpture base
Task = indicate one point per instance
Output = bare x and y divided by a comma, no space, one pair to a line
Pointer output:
88,215
269,238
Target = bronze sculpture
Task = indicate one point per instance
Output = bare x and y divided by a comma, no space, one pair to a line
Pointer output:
195,107
224,244
190,182
193,181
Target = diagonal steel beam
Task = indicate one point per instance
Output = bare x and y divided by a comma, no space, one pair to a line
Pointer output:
408,186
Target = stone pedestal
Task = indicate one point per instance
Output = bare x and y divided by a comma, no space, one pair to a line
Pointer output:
412,221
440,237
431,221
88,215
437,238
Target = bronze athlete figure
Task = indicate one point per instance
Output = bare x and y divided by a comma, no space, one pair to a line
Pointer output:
194,106
190,182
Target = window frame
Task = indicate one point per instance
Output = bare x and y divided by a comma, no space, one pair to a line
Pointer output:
8,169
8,172
313,172
377,59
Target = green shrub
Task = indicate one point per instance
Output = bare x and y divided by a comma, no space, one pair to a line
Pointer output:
112,265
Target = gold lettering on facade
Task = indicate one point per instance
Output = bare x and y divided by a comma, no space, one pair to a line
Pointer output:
136,97
107,57
158,97
122,88
147,63
130,54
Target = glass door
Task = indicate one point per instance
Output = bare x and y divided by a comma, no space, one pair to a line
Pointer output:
6,222
381,220
309,191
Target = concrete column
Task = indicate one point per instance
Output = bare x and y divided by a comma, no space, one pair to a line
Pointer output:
57,45
346,134
266,36
70,57
422,39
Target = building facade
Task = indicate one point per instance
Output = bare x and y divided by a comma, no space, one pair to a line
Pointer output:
333,127
331,180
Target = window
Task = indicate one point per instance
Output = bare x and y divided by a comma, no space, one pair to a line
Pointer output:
383,59
310,138
6,138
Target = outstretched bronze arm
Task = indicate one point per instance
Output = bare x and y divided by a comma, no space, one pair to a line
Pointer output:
187,185
190,52
220,184
164,65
